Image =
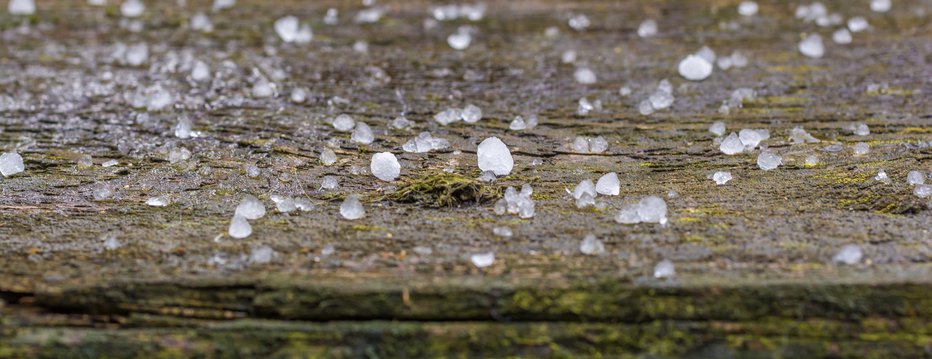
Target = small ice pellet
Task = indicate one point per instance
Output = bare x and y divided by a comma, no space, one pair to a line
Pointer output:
22,7
717,128
385,166
849,254
767,160
731,145
343,123
608,184
591,246
351,208
502,232
647,28
239,227
915,178
362,134
857,24
923,190
482,260
881,5
585,76
747,8
860,149
812,46
493,155
471,114
329,183
157,201
110,163
695,68
664,270
842,36
250,208
652,209
11,163
811,160
882,176
459,40
584,187
261,255
721,177
132,8
328,157
298,95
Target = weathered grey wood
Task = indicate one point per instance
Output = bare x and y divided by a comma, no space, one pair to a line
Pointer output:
752,257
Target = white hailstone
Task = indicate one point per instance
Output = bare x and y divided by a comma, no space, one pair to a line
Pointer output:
799,135
731,145
695,68
250,208
860,129
261,255
157,201
482,260
298,95
915,178
239,227
283,204
11,163
842,36
111,243
200,71
628,215
860,149
289,29
102,193
579,22
158,98
471,113
581,144
351,208
660,100
812,46
448,116
811,160
747,8
263,89
767,160
362,134
584,75
361,46
332,17
591,246
857,24
401,123
328,157
502,232
343,123
369,16
97,2
923,190
385,166
178,154
584,107
22,7
424,142
568,57
223,4
493,155
849,254
645,108
652,209
882,176
584,187
109,163
647,28
460,39
706,53
329,182
717,128
132,8
598,145
752,138
721,177
137,54
664,270
200,22
881,5
252,170
303,204
608,184
624,91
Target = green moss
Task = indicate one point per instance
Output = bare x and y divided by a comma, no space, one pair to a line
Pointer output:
442,189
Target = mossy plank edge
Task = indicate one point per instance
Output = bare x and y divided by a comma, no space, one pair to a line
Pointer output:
605,300
249,338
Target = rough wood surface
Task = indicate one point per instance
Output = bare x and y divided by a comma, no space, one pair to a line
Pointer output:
754,275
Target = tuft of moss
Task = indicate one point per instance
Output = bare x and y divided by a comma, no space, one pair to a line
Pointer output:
442,189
